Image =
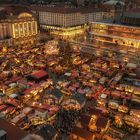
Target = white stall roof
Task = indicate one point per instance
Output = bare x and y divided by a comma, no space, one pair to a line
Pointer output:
13,95
67,74
131,65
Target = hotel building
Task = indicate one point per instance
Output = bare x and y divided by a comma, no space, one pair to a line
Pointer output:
66,21
118,34
17,26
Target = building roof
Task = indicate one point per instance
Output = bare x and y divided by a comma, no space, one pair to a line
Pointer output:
131,65
13,102
66,10
82,133
116,93
12,10
13,132
131,21
28,91
39,74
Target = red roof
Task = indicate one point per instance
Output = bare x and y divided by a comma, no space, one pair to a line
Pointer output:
3,107
116,93
81,91
45,106
13,102
75,85
51,113
27,91
41,110
71,88
39,74
15,79
9,109
22,81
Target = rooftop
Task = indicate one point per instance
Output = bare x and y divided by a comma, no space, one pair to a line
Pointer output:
6,11
127,18
39,74
67,10
130,23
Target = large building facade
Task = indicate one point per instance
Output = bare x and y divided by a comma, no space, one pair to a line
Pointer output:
119,36
17,26
113,34
68,21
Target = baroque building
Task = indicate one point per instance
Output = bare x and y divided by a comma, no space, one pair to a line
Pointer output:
18,26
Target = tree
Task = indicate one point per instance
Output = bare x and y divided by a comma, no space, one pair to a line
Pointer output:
65,52
66,120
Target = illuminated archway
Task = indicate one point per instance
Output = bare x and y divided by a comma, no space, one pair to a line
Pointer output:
24,15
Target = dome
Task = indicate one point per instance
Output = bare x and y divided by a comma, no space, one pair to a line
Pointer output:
114,2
